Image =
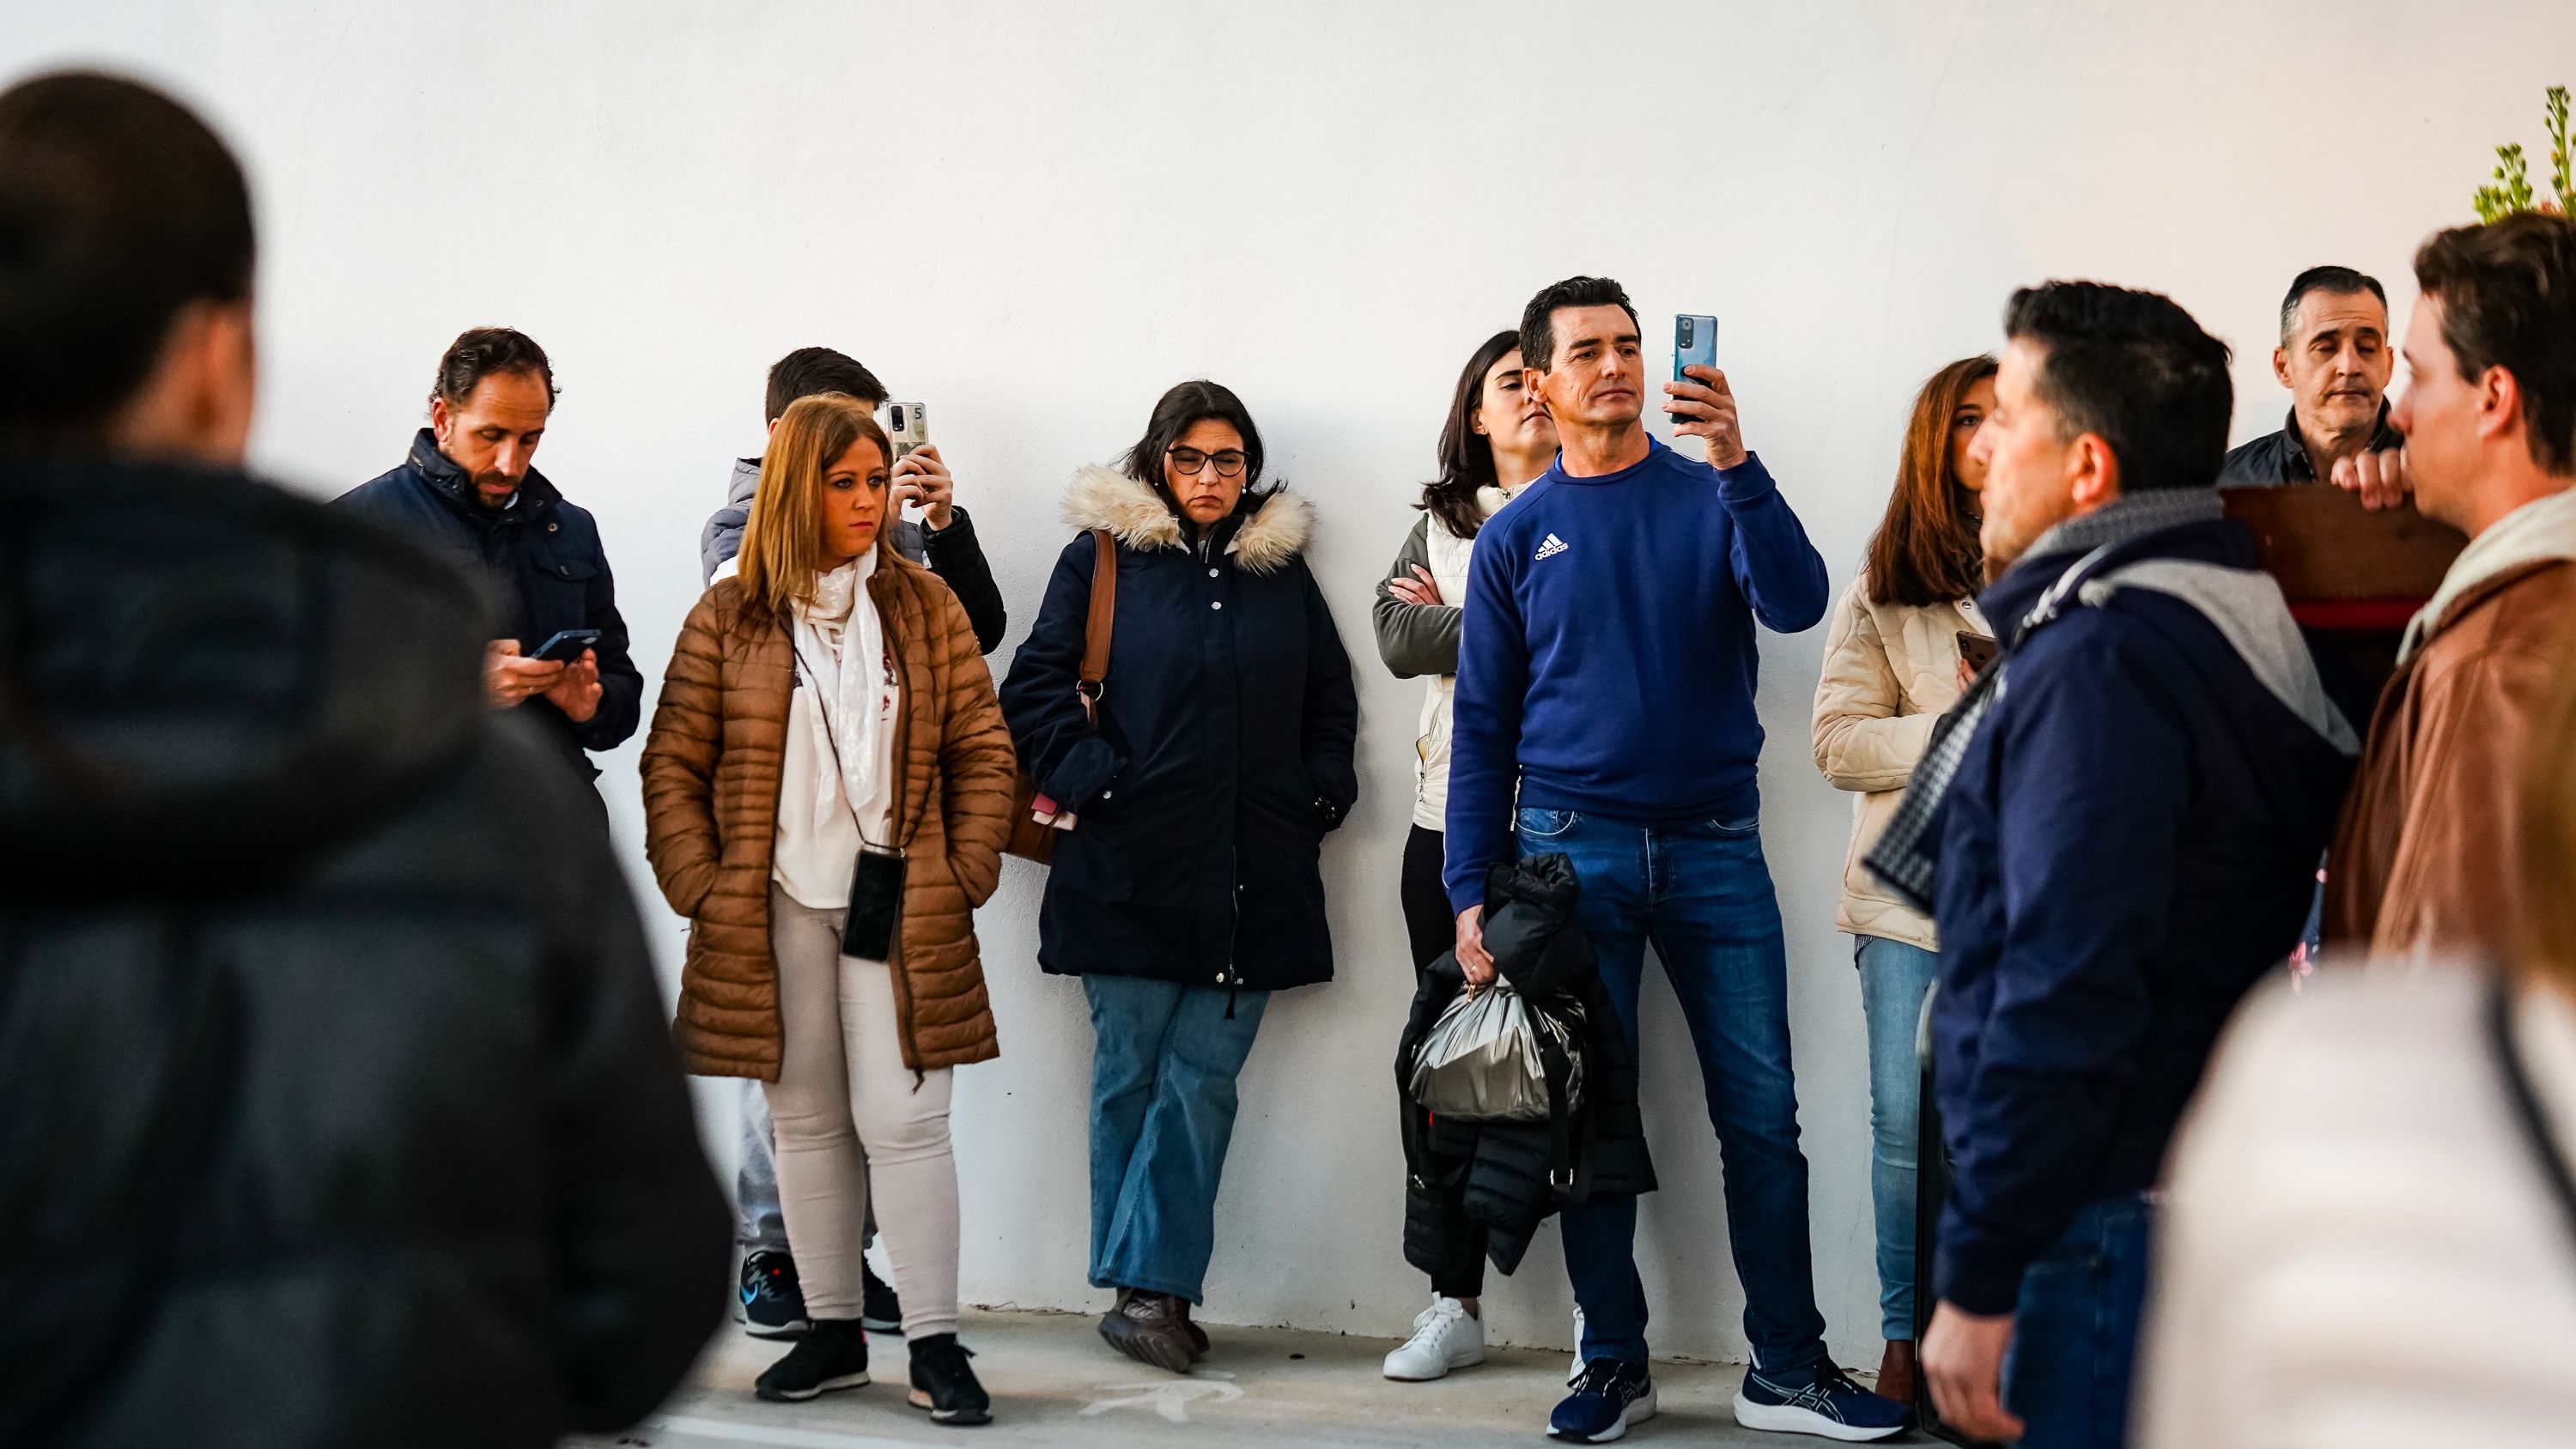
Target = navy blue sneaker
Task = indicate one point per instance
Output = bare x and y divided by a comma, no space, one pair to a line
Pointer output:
1608,1398
1819,1399
770,1305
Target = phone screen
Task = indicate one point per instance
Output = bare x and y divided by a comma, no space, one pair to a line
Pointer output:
1694,342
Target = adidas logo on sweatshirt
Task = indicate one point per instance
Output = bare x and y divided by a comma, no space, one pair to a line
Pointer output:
1552,547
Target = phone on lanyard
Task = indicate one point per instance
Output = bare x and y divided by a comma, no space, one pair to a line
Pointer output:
1694,342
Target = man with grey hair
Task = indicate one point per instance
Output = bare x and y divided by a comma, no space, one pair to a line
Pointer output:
2335,359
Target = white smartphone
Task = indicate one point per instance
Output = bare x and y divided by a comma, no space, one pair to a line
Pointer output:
909,425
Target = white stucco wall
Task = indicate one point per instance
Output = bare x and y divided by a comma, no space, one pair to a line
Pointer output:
1033,218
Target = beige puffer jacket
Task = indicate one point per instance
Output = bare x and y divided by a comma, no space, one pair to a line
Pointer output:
1890,671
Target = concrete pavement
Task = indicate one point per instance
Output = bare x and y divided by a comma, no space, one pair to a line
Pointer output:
1054,1382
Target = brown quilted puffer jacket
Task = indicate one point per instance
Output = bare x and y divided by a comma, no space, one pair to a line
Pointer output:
711,771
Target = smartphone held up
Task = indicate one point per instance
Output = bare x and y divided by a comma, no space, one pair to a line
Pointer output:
1694,342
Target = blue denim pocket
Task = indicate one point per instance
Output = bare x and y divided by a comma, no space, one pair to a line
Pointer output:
1545,824
1749,825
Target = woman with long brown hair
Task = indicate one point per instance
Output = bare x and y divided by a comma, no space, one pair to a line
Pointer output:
1497,439
827,789
1893,665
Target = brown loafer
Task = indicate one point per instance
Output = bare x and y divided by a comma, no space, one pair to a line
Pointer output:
1144,1327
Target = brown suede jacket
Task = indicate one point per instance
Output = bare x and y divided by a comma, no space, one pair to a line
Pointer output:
711,772
2428,855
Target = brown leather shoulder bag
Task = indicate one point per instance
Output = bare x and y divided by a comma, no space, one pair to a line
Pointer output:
1029,839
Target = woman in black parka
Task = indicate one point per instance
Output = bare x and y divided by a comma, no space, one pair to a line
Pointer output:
1188,889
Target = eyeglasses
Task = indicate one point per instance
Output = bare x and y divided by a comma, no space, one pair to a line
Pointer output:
1229,463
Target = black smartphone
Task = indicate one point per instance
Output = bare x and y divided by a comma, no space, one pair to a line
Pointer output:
566,646
1977,649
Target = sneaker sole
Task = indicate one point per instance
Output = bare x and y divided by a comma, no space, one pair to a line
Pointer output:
882,1325
798,1396
1442,1372
777,1330
960,1417
1144,1349
1638,1413
1790,1419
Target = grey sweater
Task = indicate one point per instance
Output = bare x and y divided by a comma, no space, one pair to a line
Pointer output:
1415,639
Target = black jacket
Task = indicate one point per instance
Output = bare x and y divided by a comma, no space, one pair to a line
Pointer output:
2279,458
1498,1173
1222,754
336,1103
542,561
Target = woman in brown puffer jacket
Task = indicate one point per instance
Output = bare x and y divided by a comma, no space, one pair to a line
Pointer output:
827,740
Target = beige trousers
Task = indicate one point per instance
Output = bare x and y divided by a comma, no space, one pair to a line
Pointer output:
842,1087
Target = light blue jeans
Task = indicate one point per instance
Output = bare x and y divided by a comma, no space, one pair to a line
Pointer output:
1162,1114
1893,979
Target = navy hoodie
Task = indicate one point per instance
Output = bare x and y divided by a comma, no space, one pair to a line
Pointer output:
2130,842
1606,661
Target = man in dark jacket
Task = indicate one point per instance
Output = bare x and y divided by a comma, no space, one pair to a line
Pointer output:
943,540
2120,833
469,493
2335,359
339,1108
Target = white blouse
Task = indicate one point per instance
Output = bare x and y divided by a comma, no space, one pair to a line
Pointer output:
817,842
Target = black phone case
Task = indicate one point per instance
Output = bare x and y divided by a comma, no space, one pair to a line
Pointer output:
876,905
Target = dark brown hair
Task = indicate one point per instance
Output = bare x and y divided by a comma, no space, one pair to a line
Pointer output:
1466,456
809,370
481,352
2508,294
118,208
1538,319
2133,369
1925,550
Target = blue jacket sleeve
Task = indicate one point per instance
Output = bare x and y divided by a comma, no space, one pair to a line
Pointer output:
1778,570
1485,727
1332,701
2092,775
1068,757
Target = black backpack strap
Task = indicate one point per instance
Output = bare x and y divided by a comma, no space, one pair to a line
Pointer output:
2528,1113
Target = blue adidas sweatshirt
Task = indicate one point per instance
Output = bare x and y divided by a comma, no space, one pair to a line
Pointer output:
1606,660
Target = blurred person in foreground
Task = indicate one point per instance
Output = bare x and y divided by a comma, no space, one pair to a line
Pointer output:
2370,1234
335,1103
2119,826
2427,856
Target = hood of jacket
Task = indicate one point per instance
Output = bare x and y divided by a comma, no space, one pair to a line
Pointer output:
2541,531
1139,518
204,679
745,482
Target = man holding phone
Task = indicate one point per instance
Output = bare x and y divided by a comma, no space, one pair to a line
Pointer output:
943,540
1605,710
468,492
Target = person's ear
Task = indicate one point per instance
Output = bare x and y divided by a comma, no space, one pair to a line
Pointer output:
1476,420
2499,404
773,425
2281,365
439,419
196,402
2092,473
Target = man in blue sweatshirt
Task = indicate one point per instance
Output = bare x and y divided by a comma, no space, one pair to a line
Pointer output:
1605,709
2119,830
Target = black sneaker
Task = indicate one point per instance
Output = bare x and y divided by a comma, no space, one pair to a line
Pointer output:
944,1384
833,1354
879,1310
773,1306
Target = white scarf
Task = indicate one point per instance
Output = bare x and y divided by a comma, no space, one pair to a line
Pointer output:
840,647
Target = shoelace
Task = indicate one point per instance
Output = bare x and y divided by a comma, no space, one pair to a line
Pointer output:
1438,1316
1599,1377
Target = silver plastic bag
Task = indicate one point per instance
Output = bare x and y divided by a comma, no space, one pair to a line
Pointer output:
1480,1061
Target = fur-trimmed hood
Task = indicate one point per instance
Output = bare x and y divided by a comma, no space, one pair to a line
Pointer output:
1138,517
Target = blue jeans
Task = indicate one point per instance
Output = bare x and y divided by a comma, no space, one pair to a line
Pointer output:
1893,979
1702,894
2075,1329
1162,1113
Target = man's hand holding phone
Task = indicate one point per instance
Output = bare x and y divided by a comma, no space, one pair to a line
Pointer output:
1702,406
919,477
510,679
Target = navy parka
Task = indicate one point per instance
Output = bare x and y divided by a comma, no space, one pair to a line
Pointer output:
2130,842
542,563
1222,751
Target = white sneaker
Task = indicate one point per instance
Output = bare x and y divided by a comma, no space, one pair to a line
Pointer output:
1445,1336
